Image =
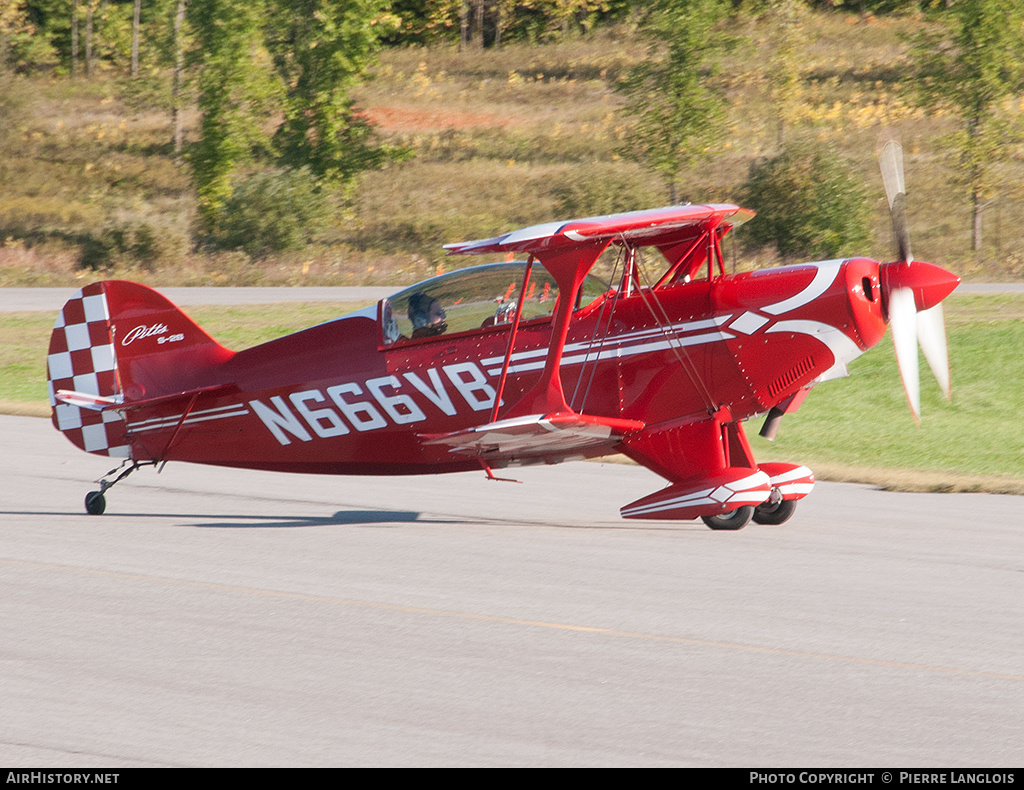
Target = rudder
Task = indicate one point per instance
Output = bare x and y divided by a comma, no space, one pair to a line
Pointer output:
81,359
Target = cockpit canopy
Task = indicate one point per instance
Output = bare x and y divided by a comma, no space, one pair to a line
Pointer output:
474,298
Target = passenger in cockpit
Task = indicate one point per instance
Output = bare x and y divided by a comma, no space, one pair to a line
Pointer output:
427,316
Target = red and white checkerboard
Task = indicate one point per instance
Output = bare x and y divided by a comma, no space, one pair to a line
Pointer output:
81,358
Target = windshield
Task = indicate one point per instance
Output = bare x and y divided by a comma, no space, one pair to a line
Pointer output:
474,298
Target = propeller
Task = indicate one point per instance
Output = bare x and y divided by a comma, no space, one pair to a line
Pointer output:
912,293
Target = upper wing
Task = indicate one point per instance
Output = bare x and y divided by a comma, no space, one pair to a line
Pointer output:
651,227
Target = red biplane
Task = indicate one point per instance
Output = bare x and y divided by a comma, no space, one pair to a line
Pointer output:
535,361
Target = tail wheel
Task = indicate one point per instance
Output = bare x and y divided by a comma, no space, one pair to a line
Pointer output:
778,513
95,503
736,519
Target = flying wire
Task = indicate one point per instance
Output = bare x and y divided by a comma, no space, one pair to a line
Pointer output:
689,366
604,335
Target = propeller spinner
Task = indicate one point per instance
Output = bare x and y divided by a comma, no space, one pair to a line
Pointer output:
912,293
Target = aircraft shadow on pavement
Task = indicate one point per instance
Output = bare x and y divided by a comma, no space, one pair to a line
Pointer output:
394,518
353,518
359,518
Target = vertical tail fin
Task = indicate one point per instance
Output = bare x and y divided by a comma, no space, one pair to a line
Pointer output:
116,342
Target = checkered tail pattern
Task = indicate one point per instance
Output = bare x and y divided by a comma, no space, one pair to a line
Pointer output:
81,358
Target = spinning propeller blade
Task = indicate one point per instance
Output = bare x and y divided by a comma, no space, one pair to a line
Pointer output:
931,334
904,338
891,163
912,292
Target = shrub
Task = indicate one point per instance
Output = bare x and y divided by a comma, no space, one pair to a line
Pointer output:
606,189
22,215
273,211
133,240
808,204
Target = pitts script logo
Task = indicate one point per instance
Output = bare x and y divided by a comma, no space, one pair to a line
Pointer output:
142,330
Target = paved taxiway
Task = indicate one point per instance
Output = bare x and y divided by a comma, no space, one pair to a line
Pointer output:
221,617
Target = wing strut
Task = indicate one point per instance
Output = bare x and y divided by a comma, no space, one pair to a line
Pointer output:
681,354
679,255
569,266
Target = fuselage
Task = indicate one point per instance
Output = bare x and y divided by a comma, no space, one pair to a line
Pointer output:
344,397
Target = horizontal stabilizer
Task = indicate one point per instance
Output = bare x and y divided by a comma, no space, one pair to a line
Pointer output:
550,437
176,396
85,400
732,488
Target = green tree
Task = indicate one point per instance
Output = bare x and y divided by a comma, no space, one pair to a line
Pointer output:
561,15
679,114
63,30
490,23
971,65
179,48
274,80
273,211
321,49
785,69
236,95
423,21
13,22
807,202
606,188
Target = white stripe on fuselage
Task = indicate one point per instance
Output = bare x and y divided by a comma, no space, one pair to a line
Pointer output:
203,415
617,346
843,349
825,274
619,351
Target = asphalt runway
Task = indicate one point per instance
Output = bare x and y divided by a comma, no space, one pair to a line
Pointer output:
216,617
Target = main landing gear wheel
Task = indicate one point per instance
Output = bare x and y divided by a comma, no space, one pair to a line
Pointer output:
778,513
95,503
736,519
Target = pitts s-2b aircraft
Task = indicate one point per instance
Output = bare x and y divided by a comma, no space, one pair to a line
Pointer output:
513,363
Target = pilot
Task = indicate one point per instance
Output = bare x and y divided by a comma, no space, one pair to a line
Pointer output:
427,316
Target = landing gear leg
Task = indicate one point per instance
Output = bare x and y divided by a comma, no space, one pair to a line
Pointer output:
95,502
